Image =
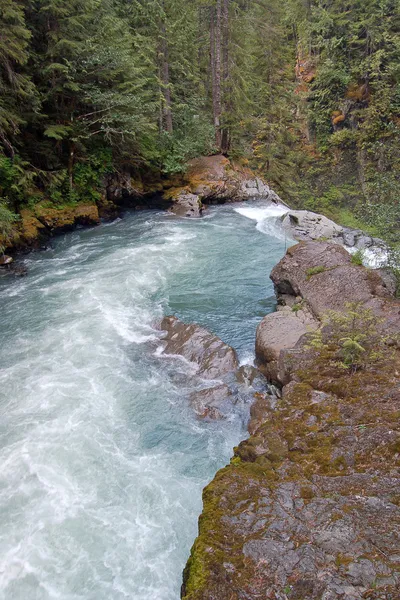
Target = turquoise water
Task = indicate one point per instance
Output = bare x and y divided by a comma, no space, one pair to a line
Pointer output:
102,461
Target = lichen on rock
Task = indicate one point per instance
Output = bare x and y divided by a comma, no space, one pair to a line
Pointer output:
309,507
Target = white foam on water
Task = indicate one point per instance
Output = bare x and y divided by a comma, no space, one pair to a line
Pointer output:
102,461
267,218
373,257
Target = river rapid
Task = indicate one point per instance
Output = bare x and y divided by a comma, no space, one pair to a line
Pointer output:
102,461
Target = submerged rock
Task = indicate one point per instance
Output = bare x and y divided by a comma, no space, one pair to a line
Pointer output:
249,376
207,402
196,344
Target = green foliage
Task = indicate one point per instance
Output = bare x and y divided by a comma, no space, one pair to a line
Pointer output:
351,340
357,258
315,270
87,176
17,181
80,76
393,263
7,220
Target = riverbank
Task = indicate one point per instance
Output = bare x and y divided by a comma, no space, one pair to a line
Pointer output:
308,506
206,180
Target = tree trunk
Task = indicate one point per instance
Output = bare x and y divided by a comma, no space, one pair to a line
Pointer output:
71,160
165,82
225,135
215,54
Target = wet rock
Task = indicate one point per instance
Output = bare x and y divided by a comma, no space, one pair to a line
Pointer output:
196,344
187,205
207,402
306,225
251,377
5,260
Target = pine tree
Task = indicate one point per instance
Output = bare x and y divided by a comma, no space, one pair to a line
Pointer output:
17,94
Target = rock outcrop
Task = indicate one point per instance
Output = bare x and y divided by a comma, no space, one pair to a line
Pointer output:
196,344
186,204
216,179
304,225
37,225
312,278
206,180
309,507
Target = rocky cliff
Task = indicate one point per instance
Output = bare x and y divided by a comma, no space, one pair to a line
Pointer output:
309,507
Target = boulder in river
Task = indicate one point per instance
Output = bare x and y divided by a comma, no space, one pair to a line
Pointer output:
323,275
186,204
196,344
5,260
207,402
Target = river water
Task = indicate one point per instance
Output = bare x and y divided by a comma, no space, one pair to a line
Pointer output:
102,461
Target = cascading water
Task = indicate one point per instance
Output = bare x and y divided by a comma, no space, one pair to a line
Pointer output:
102,461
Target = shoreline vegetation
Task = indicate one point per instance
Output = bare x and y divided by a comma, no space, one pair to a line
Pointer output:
173,105
305,97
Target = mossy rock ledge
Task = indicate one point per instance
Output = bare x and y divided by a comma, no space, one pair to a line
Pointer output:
35,226
309,507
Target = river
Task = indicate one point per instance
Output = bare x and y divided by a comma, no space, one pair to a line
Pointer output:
102,461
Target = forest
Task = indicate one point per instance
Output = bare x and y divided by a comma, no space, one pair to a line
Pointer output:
306,92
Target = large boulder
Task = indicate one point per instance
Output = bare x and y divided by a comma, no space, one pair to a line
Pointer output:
185,204
323,275
311,279
216,179
279,331
196,344
306,225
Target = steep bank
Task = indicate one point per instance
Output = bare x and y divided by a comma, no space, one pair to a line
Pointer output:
309,507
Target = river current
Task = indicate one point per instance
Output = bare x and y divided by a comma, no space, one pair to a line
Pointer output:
102,461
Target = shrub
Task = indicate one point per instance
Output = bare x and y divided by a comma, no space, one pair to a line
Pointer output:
7,219
315,271
351,340
358,258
